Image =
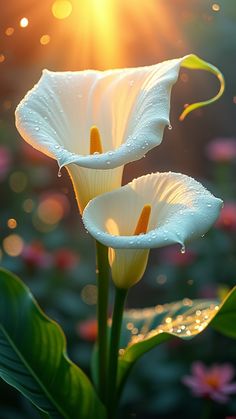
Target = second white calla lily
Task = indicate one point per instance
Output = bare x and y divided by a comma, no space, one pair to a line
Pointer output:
151,211
127,109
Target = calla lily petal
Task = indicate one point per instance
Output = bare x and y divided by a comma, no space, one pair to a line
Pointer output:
89,183
181,210
129,106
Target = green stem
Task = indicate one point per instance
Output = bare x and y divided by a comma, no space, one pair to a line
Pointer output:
102,314
120,296
207,409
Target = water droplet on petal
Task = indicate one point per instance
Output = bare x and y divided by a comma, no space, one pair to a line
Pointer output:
183,250
59,173
170,127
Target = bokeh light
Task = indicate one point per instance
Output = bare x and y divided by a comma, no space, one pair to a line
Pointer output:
45,39
28,205
12,223
216,7
50,211
24,22
89,294
2,58
61,9
18,181
13,245
9,31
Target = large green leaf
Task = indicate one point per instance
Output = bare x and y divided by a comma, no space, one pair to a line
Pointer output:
144,329
33,357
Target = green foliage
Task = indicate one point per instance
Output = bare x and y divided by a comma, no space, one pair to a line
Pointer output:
33,357
225,320
144,329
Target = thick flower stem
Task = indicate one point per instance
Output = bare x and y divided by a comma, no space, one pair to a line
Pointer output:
120,296
102,314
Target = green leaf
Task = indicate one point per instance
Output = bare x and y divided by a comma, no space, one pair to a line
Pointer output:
144,329
33,357
225,320
195,63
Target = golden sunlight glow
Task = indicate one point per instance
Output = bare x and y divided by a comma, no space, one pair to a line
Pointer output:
24,22
95,141
61,9
2,58
142,224
103,34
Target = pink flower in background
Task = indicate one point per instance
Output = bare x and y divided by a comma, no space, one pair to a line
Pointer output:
5,162
213,383
227,218
88,330
35,256
65,259
222,150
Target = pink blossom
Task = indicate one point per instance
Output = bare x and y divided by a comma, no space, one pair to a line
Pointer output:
213,383
35,256
227,218
88,330
65,259
222,150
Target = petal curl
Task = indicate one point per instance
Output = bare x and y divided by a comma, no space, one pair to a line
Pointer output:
182,209
129,106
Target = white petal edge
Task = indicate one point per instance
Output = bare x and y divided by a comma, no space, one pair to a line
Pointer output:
129,106
182,210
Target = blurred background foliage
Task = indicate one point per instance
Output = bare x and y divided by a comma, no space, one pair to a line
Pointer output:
41,235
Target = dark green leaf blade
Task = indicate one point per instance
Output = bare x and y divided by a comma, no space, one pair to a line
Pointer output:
33,357
225,319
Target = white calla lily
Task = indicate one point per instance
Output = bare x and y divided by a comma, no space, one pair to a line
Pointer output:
181,210
129,107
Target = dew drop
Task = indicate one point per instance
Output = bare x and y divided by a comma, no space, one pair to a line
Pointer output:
209,205
183,250
59,173
170,127
37,128
108,162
